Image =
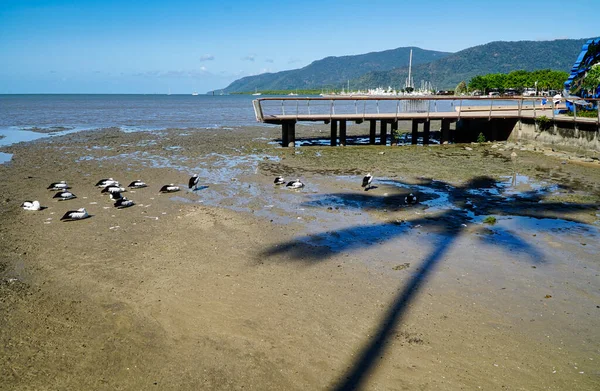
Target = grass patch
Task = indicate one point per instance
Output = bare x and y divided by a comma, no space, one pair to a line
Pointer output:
491,220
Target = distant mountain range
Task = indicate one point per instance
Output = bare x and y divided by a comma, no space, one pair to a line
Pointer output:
333,72
443,70
494,57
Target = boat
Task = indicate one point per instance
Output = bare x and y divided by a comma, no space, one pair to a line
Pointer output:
256,93
194,93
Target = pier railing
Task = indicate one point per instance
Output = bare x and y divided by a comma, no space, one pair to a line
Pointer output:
361,108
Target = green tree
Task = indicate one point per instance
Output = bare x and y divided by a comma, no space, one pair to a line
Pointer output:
461,88
592,78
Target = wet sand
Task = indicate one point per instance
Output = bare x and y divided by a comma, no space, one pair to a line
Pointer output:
243,284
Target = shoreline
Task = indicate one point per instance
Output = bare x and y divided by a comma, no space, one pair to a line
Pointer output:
244,284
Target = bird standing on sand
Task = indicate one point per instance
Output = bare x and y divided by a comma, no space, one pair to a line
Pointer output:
279,180
64,195
170,188
366,182
193,182
295,184
124,203
62,185
31,205
107,182
137,184
78,214
410,199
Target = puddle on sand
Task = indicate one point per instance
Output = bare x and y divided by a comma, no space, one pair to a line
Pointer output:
14,135
355,141
332,212
5,157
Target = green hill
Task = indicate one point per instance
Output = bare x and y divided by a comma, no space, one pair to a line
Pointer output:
333,72
494,57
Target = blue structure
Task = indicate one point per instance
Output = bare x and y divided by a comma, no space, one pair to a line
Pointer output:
589,56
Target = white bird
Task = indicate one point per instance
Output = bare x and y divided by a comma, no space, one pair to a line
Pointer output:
78,214
137,184
107,182
366,182
279,180
31,205
124,203
410,199
62,185
295,184
64,195
113,189
170,188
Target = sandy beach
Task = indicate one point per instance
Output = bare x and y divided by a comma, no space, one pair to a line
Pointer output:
245,285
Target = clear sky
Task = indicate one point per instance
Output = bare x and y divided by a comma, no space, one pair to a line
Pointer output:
130,46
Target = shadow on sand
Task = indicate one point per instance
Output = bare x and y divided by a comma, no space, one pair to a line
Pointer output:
480,196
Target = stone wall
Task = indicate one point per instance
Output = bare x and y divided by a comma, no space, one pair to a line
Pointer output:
585,139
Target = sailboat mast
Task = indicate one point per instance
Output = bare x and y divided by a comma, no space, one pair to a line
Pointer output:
410,69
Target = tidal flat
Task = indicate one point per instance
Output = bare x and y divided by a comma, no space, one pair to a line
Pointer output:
245,284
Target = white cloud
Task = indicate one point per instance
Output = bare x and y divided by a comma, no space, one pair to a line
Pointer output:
250,57
207,57
270,60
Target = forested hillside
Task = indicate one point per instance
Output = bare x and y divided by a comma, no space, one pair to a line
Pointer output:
494,57
333,72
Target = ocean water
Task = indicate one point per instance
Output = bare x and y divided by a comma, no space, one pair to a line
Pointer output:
135,112
23,116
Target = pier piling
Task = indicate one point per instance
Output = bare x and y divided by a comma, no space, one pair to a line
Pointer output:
445,131
383,133
291,134
284,134
415,131
372,131
343,133
333,141
426,132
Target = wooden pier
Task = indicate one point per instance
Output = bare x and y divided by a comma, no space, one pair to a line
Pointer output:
388,111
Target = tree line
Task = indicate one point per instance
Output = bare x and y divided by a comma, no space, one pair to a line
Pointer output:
546,79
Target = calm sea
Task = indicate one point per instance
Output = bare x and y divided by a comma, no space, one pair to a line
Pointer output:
60,114
139,112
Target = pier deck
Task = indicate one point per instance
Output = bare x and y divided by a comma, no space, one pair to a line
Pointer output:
336,111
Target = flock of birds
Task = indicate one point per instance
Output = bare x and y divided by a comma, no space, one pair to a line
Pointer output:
114,190
366,185
109,186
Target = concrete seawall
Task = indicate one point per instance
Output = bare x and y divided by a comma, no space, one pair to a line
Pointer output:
580,139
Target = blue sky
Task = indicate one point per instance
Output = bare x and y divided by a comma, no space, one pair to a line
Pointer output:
68,46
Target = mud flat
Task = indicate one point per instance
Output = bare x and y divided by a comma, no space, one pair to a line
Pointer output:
242,284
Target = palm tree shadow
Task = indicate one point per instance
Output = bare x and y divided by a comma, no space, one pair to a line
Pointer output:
480,196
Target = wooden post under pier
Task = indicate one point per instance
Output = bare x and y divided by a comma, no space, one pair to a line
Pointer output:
445,131
426,132
333,142
284,134
415,131
383,133
372,131
291,134
343,133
